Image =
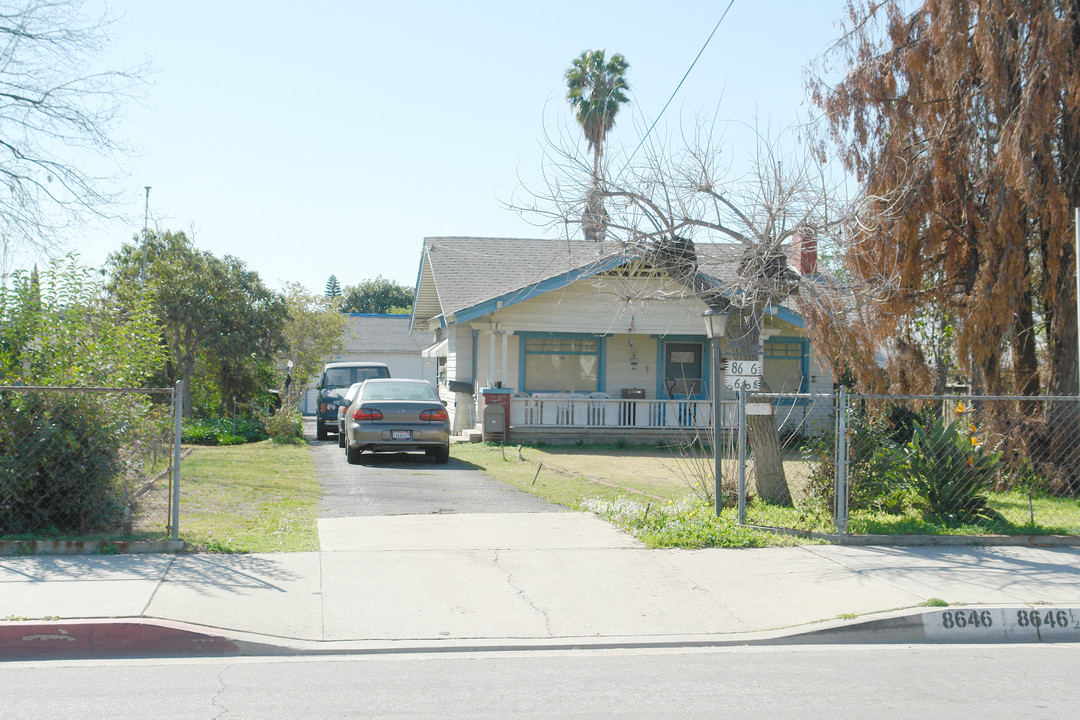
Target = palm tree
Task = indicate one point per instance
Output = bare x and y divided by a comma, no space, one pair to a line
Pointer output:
596,89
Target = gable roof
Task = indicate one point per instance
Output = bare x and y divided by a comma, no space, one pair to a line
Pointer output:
384,334
472,276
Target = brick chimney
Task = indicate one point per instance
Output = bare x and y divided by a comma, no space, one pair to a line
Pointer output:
804,253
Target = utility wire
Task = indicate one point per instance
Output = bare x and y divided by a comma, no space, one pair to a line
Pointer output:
676,92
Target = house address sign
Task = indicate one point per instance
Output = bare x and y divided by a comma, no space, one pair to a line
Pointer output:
742,375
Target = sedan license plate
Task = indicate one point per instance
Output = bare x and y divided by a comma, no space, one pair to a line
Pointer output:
401,434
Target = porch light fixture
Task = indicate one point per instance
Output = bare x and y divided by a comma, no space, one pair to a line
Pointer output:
715,327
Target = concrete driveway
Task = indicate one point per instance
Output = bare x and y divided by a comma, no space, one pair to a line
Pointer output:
409,484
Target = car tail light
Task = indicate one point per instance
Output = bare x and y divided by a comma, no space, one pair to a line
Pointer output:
362,413
439,414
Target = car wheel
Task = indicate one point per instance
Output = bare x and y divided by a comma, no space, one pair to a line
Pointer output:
442,455
320,431
340,439
352,454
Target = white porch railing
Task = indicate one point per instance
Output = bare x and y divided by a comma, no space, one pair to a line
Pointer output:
586,412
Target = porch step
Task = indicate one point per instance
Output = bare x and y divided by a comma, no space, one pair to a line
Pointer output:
472,435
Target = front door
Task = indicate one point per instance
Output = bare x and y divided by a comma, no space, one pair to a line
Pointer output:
683,370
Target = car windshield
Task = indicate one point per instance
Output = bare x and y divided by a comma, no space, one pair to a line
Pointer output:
345,376
398,391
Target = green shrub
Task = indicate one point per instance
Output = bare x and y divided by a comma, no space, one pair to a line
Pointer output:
220,431
286,426
60,464
952,473
873,457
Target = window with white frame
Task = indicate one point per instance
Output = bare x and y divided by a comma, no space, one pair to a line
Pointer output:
561,364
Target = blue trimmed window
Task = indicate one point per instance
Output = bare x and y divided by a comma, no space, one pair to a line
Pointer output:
786,364
560,363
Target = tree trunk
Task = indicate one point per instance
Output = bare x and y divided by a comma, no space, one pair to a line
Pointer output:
745,344
768,457
1064,415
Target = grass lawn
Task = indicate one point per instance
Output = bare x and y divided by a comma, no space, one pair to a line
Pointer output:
608,472
646,492
261,497
619,482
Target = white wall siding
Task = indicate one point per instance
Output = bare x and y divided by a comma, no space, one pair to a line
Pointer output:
620,374
586,307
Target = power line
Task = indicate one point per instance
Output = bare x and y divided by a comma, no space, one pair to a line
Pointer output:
676,92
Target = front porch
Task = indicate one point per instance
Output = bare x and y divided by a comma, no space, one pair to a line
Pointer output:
596,418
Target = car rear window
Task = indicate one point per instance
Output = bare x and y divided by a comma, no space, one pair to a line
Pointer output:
346,376
398,391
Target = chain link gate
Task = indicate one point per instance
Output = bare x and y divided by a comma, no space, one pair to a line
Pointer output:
913,465
89,463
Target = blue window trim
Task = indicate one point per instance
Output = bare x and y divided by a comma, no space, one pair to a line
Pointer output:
804,363
601,354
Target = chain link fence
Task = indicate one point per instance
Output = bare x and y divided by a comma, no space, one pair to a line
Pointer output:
910,465
87,463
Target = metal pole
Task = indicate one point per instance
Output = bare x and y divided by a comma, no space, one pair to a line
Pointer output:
717,452
1076,266
742,456
146,216
178,416
841,460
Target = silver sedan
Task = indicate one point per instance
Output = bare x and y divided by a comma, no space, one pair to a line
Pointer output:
394,415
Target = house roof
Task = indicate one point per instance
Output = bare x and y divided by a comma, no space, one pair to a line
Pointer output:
473,276
384,334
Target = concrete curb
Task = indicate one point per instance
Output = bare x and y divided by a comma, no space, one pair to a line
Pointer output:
143,637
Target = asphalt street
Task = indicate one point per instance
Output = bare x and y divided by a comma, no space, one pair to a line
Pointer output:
834,683
409,484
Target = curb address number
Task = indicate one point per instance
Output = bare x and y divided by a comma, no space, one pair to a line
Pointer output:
952,619
1049,618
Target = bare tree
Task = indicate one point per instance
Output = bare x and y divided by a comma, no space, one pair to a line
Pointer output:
665,206
57,112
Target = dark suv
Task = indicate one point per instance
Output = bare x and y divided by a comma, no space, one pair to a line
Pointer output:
334,383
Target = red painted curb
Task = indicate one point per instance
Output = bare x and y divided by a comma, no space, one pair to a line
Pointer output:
74,639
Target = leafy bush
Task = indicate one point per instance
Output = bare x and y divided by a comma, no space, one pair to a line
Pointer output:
286,426
60,464
220,431
873,443
952,472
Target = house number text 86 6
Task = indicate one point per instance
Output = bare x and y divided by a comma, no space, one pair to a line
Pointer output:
744,367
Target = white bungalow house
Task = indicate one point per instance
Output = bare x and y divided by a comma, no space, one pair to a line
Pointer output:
583,345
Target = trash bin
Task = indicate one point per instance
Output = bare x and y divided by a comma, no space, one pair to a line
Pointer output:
494,422
496,414
628,410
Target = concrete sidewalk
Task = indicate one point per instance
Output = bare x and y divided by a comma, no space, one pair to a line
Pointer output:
550,579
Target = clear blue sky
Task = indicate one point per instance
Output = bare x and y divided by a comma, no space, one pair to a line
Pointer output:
332,137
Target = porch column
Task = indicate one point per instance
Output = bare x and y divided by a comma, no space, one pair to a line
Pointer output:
491,356
505,346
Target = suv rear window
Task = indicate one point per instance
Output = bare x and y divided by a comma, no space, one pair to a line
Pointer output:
346,376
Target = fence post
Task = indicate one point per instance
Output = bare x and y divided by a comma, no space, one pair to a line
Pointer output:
178,415
741,424
841,461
